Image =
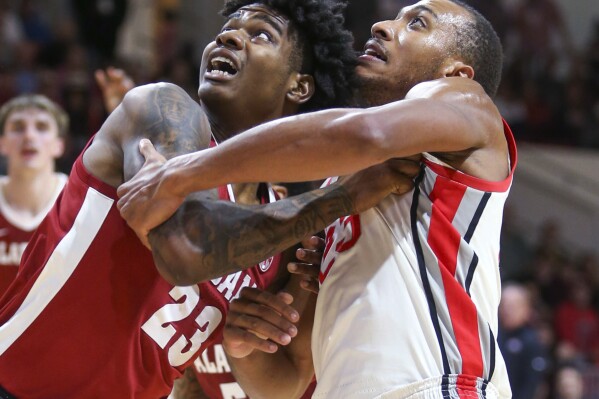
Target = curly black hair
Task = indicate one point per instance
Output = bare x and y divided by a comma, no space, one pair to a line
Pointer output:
324,46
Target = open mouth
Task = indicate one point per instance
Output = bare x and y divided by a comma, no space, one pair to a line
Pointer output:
374,50
28,152
222,66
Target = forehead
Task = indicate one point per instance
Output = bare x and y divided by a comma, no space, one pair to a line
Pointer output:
442,10
30,113
263,13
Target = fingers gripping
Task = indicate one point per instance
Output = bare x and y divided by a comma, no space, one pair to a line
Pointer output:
258,316
310,257
147,150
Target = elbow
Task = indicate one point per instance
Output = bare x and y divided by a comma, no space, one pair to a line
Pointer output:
362,131
376,140
177,261
188,248
175,275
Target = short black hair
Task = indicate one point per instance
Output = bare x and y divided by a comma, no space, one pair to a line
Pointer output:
479,45
324,45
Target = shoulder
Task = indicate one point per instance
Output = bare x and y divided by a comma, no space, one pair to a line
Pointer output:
147,101
159,112
467,97
141,92
450,89
473,119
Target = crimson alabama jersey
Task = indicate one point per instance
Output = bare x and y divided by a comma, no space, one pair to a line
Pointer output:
16,232
409,293
88,315
212,368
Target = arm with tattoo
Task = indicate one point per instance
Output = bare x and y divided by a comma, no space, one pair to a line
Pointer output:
206,238
220,237
167,116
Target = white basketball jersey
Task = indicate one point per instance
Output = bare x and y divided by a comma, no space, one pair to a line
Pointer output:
409,293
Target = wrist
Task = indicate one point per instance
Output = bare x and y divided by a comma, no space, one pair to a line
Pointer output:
347,195
173,179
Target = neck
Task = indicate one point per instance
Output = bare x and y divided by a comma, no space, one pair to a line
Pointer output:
28,191
219,132
224,126
246,193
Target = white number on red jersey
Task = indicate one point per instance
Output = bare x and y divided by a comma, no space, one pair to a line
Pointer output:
159,327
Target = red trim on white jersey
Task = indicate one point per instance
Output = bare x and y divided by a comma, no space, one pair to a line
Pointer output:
474,182
414,300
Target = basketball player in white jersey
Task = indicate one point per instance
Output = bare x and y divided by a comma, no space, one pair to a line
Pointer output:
409,290
32,132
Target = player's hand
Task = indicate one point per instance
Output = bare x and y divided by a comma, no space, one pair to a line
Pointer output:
114,84
308,264
144,201
259,320
369,186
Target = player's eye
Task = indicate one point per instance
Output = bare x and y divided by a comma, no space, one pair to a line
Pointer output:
263,35
417,22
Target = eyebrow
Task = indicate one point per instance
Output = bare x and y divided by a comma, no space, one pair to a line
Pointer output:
419,8
262,17
271,22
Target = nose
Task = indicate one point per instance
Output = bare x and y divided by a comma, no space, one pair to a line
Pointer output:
231,39
30,132
382,30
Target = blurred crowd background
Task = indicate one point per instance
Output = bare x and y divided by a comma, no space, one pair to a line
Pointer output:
549,319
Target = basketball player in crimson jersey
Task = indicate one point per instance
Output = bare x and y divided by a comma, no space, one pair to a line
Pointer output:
210,375
94,313
32,131
409,290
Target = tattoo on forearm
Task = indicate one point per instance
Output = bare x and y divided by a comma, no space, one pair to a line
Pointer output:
224,237
231,237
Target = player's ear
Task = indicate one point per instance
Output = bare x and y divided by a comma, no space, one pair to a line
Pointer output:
458,68
301,88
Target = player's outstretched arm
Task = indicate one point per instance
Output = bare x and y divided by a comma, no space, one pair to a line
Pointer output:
114,83
452,118
206,238
450,115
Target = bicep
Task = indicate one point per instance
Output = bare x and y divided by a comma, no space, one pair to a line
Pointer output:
450,115
415,126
